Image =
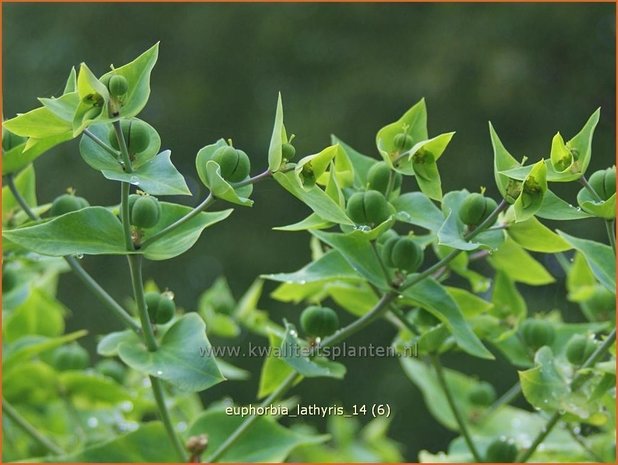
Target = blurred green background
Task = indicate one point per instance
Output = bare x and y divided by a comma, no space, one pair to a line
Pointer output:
347,69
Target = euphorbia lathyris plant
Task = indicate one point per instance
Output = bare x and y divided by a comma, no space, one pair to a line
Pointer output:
380,252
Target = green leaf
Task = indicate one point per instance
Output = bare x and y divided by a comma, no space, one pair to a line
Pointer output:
503,161
532,192
509,304
40,123
137,74
265,441
600,258
30,382
182,238
89,231
276,141
429,295
560,155
416,208
554,208
40,314
543,386
274,370
25,182
314,197
31,346
24,154
424,156
108,345
533,235
313,168
414,123
605,209
150,443
359,253
295,352
313,221
361,163
92,387
580,280
519,264
331,265
71,84
469,303
183,359
93,100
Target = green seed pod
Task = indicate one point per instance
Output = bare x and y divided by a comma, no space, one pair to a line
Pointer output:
132,199
402,253
67,203
146,212
579,348
118,85
379,175
112,369
537,333
501,451
319,321
234,163
166,309
403,142
604,182
476,208
152,303
288,151
385,236
368,208
70,357
136,135
483,394
601,305
10,279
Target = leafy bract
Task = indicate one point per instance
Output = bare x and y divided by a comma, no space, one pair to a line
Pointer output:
265,441
184,358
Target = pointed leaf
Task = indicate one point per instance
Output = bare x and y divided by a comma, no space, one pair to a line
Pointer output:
276,141
183,359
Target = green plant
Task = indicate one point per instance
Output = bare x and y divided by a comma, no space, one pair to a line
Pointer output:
404,257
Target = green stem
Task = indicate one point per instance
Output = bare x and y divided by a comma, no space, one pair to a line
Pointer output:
29,429
404,320
124,150
159,395
125,215
580,440
387,275
85,278
245,425
197,210
135,266
101,144
463,429
575,384
506,398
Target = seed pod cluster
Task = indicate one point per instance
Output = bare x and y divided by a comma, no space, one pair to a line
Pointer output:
161,307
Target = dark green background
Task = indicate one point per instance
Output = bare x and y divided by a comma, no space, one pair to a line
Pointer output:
346,69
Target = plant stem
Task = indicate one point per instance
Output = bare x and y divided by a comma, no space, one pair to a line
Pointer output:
253,180
29,429
125,215
159,395
124,151
135,266
101,144
404,321
463,429
580,440
238,432
86,279
575,384
506,398
197,210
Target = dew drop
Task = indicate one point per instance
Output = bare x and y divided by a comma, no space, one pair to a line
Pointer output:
126,406
79,256
134,180
92,422
159,372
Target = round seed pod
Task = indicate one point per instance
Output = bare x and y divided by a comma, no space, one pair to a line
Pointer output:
402,253
403,142
604,182
234,163
146,212
537,333
67,203
136,135
70,357
476,208
319,321
368,208
579,348
501,451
